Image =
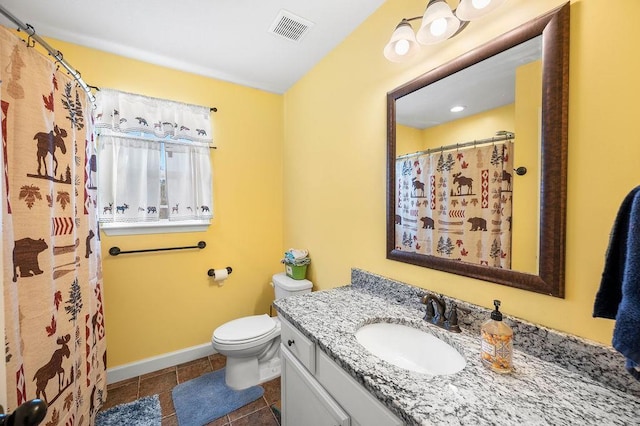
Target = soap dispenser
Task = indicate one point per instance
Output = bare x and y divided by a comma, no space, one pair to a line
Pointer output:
497,342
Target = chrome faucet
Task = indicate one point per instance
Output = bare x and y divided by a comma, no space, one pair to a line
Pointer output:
436,313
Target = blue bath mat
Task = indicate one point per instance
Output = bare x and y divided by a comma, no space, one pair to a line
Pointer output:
206,398
141,412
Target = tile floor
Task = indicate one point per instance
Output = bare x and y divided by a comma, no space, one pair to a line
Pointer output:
258,413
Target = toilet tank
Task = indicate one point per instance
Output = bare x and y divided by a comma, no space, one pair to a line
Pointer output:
285,286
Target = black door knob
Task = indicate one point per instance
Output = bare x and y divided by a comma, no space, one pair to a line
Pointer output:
290,342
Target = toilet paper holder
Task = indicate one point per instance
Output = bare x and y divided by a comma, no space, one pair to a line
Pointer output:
212,272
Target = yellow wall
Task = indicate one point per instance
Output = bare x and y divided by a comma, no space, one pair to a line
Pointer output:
335,154
477,126
408,140
526,205
163,302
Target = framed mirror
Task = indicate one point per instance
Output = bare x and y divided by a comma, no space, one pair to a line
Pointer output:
537,244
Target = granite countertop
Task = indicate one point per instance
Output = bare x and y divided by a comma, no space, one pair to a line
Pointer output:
539,392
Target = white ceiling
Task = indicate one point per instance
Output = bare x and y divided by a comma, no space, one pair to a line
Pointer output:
222,39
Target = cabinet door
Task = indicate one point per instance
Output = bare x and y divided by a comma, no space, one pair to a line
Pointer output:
304,400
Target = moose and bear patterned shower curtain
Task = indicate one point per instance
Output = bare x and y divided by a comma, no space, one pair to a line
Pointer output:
55,346
457,204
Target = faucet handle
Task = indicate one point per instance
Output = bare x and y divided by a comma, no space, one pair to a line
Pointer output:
453,317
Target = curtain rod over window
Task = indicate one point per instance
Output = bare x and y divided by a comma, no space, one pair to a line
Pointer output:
153,99
53,52
500,136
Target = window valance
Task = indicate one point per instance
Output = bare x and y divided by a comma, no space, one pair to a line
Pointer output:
126,112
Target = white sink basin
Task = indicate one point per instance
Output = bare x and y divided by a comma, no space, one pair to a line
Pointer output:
410,348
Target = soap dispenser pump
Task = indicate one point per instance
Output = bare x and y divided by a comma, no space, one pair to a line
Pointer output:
497,342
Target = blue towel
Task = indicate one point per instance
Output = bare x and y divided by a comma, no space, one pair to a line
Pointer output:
619,293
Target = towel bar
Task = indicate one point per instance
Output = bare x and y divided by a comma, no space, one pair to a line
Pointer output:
114,251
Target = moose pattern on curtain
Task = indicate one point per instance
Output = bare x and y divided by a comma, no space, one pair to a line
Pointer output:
55,346
457,204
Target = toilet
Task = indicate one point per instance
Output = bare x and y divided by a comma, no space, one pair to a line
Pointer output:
252,344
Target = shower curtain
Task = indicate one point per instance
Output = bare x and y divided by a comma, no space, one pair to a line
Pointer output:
55,345
457,204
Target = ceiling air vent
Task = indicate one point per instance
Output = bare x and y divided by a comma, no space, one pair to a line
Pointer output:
290,26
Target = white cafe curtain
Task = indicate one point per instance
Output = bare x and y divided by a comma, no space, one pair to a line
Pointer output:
188,165
140,136
128,179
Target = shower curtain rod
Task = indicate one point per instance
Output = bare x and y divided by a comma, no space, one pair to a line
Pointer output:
53,52
501,136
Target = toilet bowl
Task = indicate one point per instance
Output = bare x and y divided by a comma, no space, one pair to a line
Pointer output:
252,344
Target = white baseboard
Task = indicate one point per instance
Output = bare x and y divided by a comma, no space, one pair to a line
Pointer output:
148,365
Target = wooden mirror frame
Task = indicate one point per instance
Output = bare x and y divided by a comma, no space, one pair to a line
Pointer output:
554,28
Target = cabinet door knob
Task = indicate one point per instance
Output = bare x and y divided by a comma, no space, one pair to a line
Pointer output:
290,342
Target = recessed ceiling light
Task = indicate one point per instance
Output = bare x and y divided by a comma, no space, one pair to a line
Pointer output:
457,108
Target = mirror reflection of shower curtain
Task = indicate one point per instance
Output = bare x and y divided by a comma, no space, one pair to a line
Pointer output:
55,346
457,204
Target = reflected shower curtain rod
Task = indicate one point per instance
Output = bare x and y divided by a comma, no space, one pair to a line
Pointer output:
501,136
53,52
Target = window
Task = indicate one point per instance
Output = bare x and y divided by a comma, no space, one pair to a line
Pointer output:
153,164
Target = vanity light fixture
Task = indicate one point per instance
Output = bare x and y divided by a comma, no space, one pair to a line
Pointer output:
439,23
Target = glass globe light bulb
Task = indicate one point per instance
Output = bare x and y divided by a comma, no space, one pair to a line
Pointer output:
402,47
480,4
438,27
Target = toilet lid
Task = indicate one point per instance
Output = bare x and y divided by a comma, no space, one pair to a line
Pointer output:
245,328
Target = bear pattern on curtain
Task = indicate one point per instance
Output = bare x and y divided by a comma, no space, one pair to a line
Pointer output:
457,204
55,346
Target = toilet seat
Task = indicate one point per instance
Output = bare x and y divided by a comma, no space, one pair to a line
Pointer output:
245,330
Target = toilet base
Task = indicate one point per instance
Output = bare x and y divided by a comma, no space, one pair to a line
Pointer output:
270,370
241,373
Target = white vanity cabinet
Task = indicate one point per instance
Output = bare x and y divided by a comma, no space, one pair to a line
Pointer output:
316,391
304,401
